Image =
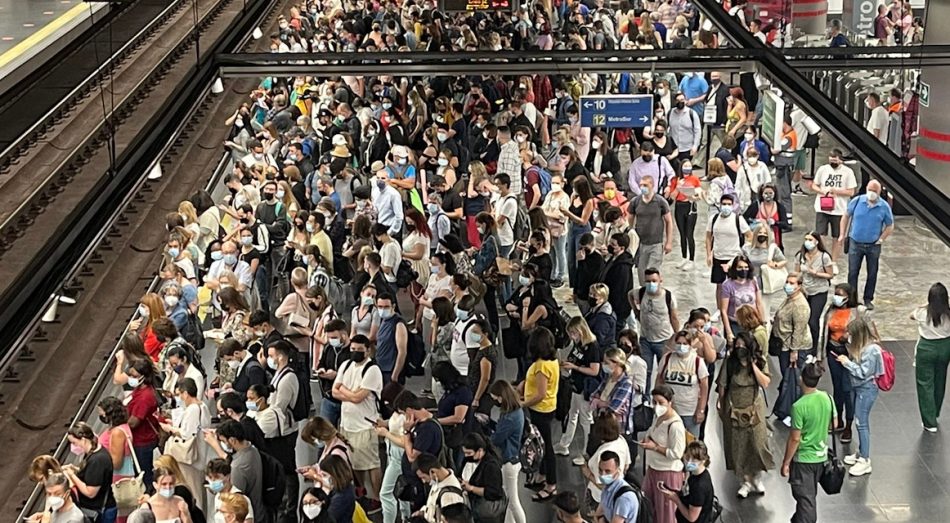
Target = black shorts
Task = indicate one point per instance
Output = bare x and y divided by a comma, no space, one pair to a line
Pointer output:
718,272
823,220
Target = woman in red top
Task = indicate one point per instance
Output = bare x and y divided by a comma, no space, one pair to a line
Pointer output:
143,406
685,191
767,209
151,308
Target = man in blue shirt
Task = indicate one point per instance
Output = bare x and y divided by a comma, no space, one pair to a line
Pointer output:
871,221
387,201
694,87
618,502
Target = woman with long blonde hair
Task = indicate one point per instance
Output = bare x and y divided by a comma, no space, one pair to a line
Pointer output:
865,362
583,363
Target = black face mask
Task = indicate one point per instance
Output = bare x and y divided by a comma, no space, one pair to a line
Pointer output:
742,273
300,226
313,306
834,165
742,353
680,105
104,419
357,356
647,159
761,239
245,221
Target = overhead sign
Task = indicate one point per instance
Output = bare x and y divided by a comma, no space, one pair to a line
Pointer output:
620,110
455,6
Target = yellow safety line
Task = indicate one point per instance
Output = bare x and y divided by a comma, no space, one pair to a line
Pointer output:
41,34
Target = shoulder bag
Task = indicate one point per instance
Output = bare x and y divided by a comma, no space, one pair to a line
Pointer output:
773,280
833,471
127,491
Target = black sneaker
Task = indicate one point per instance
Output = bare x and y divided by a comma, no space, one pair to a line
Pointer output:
557,284
869,305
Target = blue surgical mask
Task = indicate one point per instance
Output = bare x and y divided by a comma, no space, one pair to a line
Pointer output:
691,467
523,280
607,479
839,301
251,406
134,382
809,245
433,208
230,259
387,106
789,289
166,493
435,269
473,338
309,227
247,240
216,486
682,349
653,287
461,314
174,252
216,255
385,314
725,210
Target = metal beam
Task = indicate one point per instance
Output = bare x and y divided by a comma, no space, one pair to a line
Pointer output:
917,194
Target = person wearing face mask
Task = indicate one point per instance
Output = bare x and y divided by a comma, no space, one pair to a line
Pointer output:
618,501
686,191
763,252
218,476
439,222
60,507
602,163
116,439
650,164
742,407
92,477
364,319
816,267
245,459
767,210
865,226
482,366
664,444
790,325
843,309
229,262
834,184
616,272
335,352
695,503
231,405
180,367
580,136
583,367
650,216
142,409
685,128
194,417
751,177
313,506
751,140
739,288
481,479
685,371
445,489
386,200
554,205
164,503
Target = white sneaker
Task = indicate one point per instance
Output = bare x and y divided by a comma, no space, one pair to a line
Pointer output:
745,489
850,460
862,467
561,450
687,265
759,487
579,461
834,268
930,429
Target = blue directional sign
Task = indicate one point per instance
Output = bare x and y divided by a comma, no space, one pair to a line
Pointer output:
619,110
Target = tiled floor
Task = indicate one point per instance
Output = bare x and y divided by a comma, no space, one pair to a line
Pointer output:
21,18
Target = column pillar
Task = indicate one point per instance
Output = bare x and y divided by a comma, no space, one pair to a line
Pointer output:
933,145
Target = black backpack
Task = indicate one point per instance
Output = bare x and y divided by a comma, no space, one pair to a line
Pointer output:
304,401
415,354
192,331
645,510
273,483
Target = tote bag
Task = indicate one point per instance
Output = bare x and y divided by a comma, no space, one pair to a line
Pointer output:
127,491
773,280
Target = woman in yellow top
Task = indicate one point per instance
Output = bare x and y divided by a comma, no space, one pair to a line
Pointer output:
540,396
738,115
750,321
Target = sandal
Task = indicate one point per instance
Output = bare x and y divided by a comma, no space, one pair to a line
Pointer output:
543,496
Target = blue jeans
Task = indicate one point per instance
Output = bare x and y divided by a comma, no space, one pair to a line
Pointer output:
841,384
857,253
330,411
108,515
560,257
864,396
504,251
573,244
146,456
649,350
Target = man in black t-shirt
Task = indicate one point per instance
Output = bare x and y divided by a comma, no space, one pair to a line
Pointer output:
694,503
425,437
335,353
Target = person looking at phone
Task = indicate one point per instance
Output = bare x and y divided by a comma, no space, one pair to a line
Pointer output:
694,504
619,502
664,443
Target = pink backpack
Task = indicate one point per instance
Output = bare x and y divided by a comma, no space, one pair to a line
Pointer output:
885,381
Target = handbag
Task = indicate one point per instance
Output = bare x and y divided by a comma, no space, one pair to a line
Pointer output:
775,345
826,203
184,450
773,280
833,471
642,417
404,490
745,417
127,491
485,510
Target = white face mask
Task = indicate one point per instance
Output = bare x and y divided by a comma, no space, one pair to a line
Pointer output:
55,503
312,511
219,518
660,410
595,145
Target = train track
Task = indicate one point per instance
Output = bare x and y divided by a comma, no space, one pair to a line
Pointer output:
52,369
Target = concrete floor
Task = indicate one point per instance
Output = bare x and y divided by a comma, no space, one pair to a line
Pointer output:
21,18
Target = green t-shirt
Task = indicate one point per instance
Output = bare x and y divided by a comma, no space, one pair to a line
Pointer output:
811,414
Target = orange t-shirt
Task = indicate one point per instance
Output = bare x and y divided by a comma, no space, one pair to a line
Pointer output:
689,180
838,324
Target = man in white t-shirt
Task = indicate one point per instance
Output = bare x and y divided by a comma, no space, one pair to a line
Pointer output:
389,251
358,385
724,239
877,123
685,371
506,213
464,316
833,180
218,475
445,490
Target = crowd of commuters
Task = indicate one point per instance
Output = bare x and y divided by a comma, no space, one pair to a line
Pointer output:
380,229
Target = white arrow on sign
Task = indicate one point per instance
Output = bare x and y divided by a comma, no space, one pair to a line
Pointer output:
587,104
644,119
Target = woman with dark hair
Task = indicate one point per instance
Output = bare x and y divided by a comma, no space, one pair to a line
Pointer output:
314,506
573,168
740,288
117,437
579,216
481,479
814,264
932,354
768,210
142,407
737,118
442,268
92,479
236,311
843,309
540,397
742,411
454,411
415,248
337,480
664,444
485,262
483,363
602,162
131,349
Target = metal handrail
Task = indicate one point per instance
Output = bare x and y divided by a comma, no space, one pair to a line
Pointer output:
7,358
109,64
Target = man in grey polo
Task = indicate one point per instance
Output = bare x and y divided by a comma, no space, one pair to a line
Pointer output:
650,216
